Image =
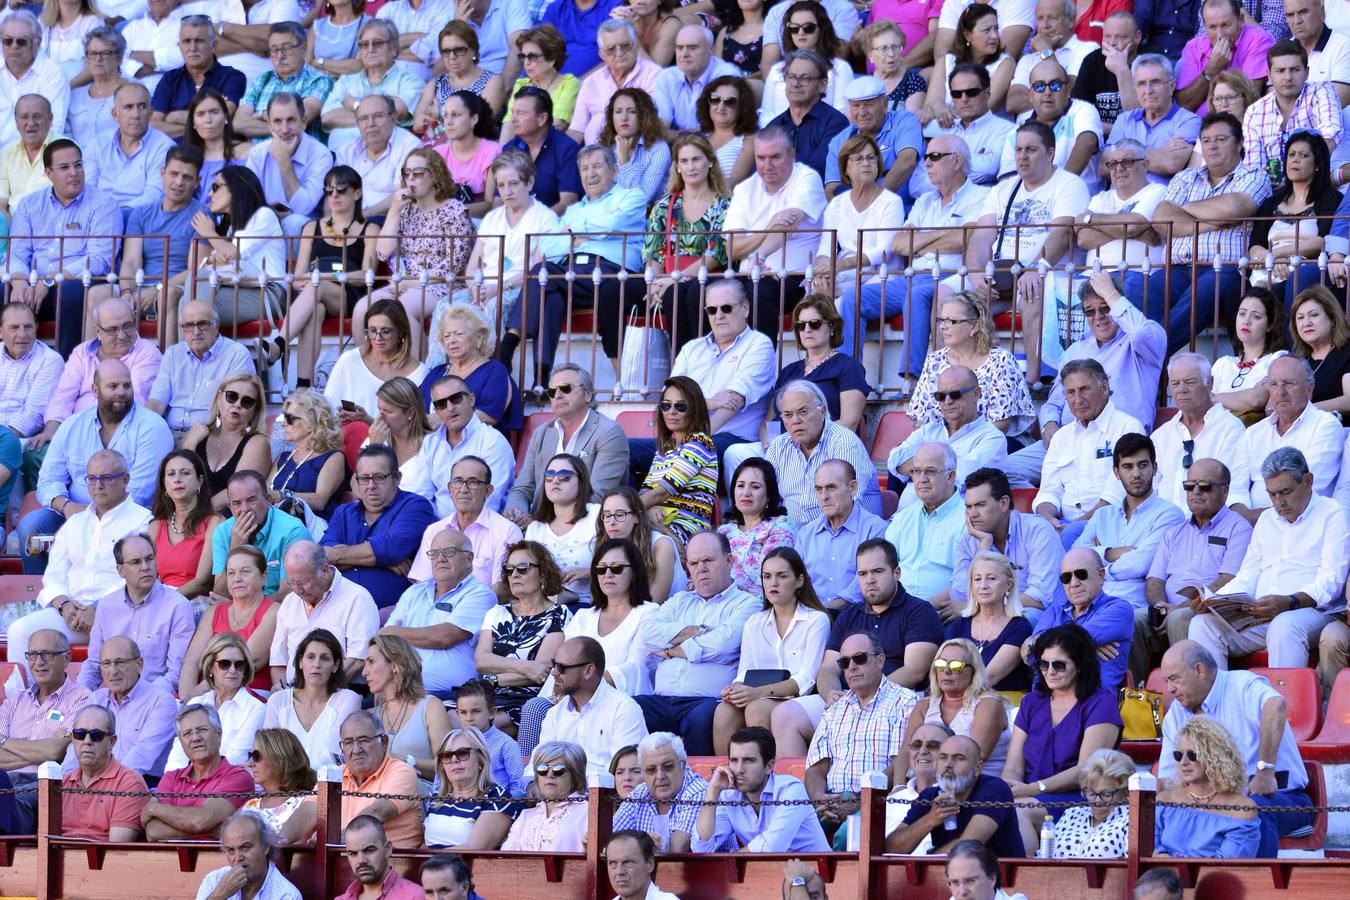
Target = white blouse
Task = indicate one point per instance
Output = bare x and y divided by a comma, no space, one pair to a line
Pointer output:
886,211
1225,371
259,249
1078,837
65,46
538,219
799,651
571,550
775,102
240,718
625,654
320,741
352,380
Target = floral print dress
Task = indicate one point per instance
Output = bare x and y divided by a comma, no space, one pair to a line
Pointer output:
519,637
748,549
437,256
1003,390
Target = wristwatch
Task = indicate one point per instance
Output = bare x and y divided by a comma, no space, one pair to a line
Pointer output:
320,61
490,679
1262,766
1040,787
1087,219
1293,603
799,881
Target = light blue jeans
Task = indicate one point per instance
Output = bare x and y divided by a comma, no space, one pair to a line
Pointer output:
881,301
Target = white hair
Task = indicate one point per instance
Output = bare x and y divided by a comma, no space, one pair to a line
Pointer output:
1200,361
658,739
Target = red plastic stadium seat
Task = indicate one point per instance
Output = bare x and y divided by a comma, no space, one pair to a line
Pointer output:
1317,790
637,423
1333,741
897,321
704,765
1302,694
1250,661
1005,321
890,501
582,322
1022,498
353,436
791,765
892,430
532,423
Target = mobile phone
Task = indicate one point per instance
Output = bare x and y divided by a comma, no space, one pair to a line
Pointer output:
349,406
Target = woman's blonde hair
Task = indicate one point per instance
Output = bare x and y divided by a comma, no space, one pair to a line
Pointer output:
442,182
318,414
407,664
474,323
284,753
479,746
1331,307
218,645
717,182
1106,763
401,392
979,681
51,12
255,424
984,321
1217,752
1239,82
1012,603
567,753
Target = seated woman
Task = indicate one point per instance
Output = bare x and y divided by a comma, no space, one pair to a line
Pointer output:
1101,829
429,230
233,437
211,130
315,470
401,422
332,45
680,491
820,335
781,649
993,621
563,524
468,148
458,43
343,243
656,27
468,811
1211,771
1284,225
684,234
414,722
977,41
758,522
885,45
1260,335
278,764
1065,718
246,614
623,517
961,699
1320,335
806,27
635,133
968,339
741,40
464,338
727,115
227,669
626,769
520,637
542,51
384,350
1232,92
183,524
862,203
558,824
314,707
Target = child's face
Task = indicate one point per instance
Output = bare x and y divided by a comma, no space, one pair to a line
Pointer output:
473,712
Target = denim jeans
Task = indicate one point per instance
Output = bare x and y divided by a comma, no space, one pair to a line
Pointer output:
915,302
1178,292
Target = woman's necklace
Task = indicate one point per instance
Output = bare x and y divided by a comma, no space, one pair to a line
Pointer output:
812,366
295,467
404,709
173,523
332,229
236,624
1208,797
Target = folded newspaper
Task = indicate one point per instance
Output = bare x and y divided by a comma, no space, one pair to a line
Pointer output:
1235,610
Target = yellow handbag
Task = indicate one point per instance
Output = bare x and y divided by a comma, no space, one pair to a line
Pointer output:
1141,711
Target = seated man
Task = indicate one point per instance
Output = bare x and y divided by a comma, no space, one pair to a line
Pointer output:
666,777
973,121
1294,571
93,731
1075,124
489,533
29,371
695,640
1025,538
370,768
860,731
446,875
145,610
596,437
1076,476
126,164
678,87
829,543
896,131
1294,102
290,164
286,44
950,810
21,168
811,121
377,49
925,533
378,152
1164,128
1104,78
207,772
442,615
1109,620
28,70
321,598
370,853
1117,227
809,441
476,707
625,66
1328,51
461,434
745,780
1196,557
372,538
1228,40
82,569
151,37
590,712
145,708
196,366
197,44
557,184
1054,37
254,522
973,438
248,843
1202,428
83,217
1256,717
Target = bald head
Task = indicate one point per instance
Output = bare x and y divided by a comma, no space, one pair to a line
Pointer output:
111,370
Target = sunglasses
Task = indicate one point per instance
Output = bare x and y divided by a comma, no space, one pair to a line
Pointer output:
1189,459
809,325
944,396
857,659
217,186
725,309
728,102
519,568
462,754
612,568
413,173
806,28
290,418
529,57
1053,87
454,399
336,191
20,42
955,666
556,771
562,668
97,735
234,398
678,405
1066,577
1053,665
1190,755
561,476
238,665
936,156
552,392
963,93
255,756
1203,487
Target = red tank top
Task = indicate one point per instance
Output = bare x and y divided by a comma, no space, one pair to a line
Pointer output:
178,562
220,624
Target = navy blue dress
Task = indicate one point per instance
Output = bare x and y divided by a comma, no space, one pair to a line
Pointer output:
835,375
1015,632
304,479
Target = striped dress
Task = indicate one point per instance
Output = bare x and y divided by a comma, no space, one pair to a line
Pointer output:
689,473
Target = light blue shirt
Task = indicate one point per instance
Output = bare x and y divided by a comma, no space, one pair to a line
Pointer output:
749,367
647,170
130,180
1144,530
478,439
676,97
311,160
926,544
831,556
797,471
770,829
1179,122
617,210
710,659
464,607
1235,702
900,130
186,383
929,211
1035,550
142,438
976,444
501,20
399,82
43,217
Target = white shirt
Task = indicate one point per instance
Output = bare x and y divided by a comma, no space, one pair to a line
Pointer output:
1077,471
1316,433
611,720
931,211
537,219
1332,62
775,102
625,655
1064,195
379,176
886,212
1218,439
1143,201
1070,56
275,887
144,34
1310,555
263,12
654,893
1081,117
240,719
44,77
347,610
259,249
478,439
1010,13
976,444
321,740
1225,372
81,564
752,206
351,379
799,651
571,550
749,367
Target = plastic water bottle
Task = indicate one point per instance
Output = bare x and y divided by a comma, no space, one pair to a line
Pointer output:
1047,850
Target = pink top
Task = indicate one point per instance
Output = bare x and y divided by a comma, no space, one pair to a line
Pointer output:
562,832
1249,56
472,171
394,887
220,624
911,15
226,779
75,390
22,715
178,562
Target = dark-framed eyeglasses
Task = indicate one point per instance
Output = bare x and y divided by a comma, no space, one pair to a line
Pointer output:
379,478
473,484
1127,163
937,155
43,656
725,309
103,480
564,668
1203,487
808,325
454,52
447,553
964,93
955,395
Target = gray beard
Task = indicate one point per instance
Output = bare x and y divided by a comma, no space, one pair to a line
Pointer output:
956,785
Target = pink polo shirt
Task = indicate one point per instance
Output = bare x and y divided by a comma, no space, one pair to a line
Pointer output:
226,779
92,816
394,887
1249,56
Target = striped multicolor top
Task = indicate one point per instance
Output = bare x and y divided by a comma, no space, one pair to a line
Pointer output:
689,474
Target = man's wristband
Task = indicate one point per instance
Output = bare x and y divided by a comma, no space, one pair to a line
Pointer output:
1294,602
62,508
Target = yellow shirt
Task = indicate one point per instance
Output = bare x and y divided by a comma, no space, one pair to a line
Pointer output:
18,176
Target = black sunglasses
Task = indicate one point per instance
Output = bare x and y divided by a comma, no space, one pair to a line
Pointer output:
239,665
555,771
331,191
678,405
460,754
97,735
612,568
519,568
809,325
246,401
944,396
1052,665
1189,459
563,668
1203,487
552,392
255,756
1066,577
290,418
962,93
857,659
1191,755
725,309
804,28
454,399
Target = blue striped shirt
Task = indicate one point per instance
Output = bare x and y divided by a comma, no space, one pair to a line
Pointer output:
797,471
40,215
640,813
